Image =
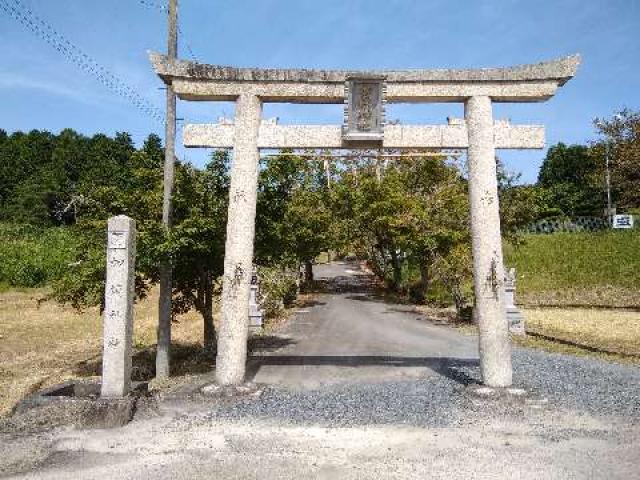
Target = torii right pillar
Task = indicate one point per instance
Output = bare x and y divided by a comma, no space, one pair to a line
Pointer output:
488,265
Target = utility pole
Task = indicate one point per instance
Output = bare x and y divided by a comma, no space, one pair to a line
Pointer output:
608,182
163,354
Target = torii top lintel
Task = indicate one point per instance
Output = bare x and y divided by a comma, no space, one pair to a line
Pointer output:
523,83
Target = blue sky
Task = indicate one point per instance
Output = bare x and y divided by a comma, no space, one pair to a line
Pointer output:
40,89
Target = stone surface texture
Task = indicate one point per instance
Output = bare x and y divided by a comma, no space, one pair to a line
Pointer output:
529,91
118,311
488,267
506,136
232,336
561,70
525,83
73,403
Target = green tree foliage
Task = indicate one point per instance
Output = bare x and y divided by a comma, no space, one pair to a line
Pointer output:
133,188
196,242
32,256
293,214
521,205
573,178
414,214
408,217
621,141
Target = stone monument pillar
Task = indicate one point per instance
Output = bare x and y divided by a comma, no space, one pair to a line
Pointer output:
488,270
238,259
118,307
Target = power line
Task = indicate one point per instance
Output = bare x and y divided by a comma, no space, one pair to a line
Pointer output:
149,4
186,44
41,28
164,8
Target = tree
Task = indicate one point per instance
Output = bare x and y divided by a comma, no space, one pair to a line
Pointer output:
293,215
572,176
25,178
309,218
279,177
414,215
197,240
621,142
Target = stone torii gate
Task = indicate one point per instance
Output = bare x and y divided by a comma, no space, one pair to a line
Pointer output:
364,94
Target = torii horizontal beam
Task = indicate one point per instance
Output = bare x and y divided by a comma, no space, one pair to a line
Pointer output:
273,136
524,83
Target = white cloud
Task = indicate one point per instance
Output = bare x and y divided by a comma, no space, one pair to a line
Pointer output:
17,82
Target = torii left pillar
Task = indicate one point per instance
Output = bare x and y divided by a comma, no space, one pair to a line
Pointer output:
232,337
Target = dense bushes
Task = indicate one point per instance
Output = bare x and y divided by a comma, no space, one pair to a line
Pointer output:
278,288
32,256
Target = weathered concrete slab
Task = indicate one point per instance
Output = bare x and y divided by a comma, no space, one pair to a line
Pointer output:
73,403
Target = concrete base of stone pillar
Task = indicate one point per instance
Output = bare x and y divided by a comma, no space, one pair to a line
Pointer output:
516,321
77,403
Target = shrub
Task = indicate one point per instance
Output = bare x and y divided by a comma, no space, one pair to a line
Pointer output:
32,256
278,288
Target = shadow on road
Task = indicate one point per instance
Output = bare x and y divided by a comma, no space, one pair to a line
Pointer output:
452,368
186,358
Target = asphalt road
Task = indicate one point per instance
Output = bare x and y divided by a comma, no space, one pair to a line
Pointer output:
359,388
352,335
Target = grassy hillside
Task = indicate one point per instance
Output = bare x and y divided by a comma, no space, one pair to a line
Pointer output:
581,269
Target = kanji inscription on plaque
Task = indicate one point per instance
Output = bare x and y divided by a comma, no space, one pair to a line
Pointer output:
364,111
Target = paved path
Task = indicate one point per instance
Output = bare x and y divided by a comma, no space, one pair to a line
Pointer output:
352,335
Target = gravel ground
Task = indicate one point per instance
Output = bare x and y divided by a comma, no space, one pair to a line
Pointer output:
554,382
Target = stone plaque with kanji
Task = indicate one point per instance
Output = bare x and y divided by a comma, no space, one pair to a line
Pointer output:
364,112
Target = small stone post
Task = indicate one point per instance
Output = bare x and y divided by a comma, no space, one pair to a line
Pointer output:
488,270
256,314
118,311
238,258
514,315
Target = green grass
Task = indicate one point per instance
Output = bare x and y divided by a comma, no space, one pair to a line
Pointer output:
590,269
32,256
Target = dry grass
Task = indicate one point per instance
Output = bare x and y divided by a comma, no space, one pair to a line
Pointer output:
43,343
612,335
614,331
601,296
